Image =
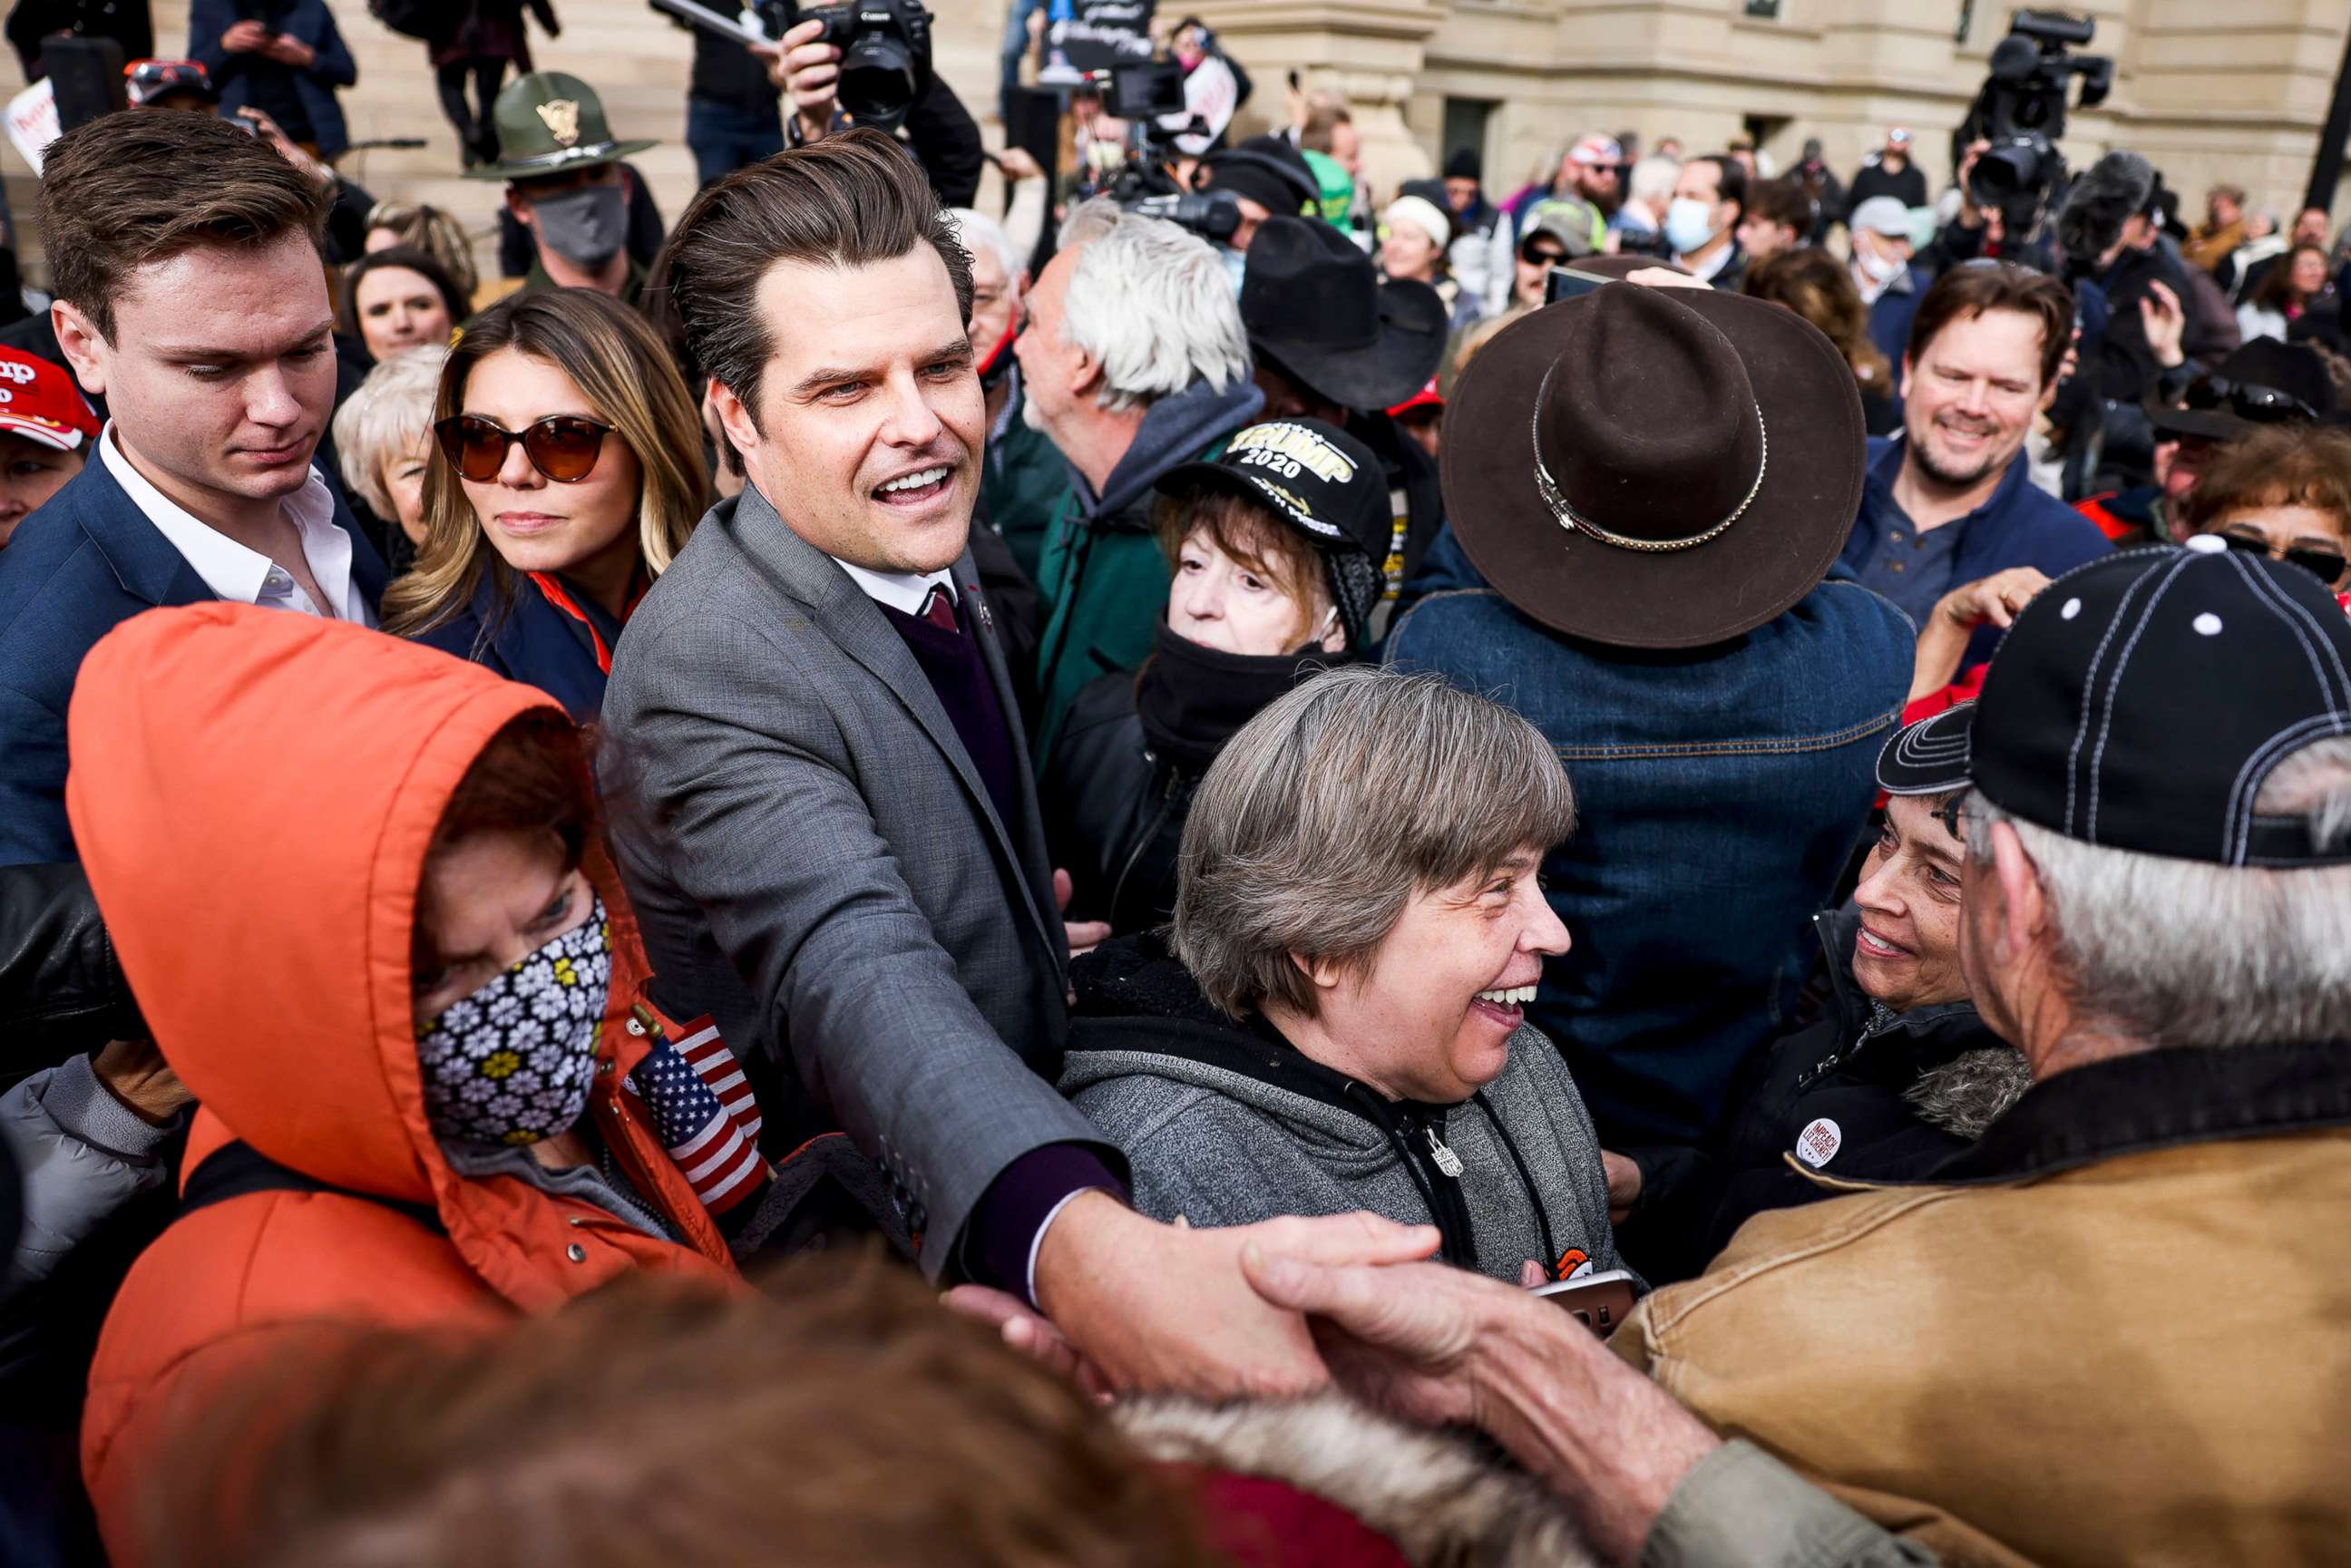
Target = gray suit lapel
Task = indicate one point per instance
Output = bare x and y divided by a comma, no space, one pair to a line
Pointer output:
852,621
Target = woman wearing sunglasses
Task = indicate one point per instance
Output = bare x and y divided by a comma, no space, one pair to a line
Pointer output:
567,473
2284,492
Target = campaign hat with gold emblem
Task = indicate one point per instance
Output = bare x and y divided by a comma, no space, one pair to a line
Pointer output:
549,123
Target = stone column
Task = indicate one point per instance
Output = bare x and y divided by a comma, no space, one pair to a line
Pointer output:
1371,51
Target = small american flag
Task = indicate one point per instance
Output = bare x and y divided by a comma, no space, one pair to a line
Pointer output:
719,1158
708,1056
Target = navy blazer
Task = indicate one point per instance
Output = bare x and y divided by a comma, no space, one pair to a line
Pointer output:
84,563
531,641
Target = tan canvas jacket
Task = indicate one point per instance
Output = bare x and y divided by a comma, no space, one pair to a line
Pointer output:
2118,1330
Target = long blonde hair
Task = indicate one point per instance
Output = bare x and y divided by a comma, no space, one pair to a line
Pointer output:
623,368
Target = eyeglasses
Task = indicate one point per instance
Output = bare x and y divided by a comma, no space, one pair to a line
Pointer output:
564,446
2326,565
2261,404
1543,256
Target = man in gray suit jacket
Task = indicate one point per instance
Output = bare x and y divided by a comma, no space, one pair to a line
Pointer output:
821,805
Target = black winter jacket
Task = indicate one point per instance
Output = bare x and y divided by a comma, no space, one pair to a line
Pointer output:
1113,811
61,989
1863,1094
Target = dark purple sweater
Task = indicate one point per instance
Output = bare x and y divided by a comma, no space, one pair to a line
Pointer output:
1003,1232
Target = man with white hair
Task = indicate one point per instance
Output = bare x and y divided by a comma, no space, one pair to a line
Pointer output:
1022,479
2112,1330
1134,361
1639,226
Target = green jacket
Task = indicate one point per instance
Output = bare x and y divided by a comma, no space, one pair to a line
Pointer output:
537,278
1101,575
1024,485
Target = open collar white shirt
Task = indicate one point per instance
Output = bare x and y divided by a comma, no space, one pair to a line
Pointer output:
247,576
902,592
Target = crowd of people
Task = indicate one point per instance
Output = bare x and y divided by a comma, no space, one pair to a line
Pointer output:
1728,883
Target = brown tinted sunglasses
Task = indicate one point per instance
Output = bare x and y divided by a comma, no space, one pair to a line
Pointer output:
564,447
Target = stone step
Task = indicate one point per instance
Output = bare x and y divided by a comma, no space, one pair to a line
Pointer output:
636,59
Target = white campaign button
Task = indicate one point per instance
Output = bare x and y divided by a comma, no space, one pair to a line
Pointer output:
1817,1145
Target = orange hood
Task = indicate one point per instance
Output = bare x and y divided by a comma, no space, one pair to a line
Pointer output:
253,791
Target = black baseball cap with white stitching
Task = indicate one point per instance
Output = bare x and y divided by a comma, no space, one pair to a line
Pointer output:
1930,757
2140,702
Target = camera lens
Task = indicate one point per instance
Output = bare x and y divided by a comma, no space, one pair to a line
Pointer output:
878,80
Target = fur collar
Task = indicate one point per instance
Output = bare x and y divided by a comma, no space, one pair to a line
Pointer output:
1435,1495
1968,1093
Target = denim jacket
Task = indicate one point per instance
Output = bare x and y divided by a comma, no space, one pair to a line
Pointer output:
1719,792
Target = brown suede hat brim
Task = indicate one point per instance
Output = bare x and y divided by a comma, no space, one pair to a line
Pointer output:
1771,557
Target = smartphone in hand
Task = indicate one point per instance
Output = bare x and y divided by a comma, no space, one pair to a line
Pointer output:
1600,1302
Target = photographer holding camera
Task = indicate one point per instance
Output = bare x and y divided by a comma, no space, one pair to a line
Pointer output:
890,85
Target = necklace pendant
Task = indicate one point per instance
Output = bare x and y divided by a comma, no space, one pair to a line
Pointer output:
1446,1160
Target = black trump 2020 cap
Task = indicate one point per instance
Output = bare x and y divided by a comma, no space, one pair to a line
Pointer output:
2141,701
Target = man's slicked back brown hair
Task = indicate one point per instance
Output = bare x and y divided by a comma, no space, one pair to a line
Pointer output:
144,185
853,200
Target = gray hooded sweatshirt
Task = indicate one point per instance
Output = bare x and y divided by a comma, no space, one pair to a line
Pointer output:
1223,1123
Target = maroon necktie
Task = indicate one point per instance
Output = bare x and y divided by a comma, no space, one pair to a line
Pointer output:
938,607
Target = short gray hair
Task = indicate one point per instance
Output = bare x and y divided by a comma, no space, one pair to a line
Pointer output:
1152,305
391,409
1331,809
978,233
1653,180
2179,952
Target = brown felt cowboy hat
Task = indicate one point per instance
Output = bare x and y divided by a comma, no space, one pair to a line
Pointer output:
1655,467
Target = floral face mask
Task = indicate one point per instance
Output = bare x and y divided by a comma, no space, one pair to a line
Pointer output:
513,1062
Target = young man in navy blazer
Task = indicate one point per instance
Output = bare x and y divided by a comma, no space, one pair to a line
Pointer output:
192,295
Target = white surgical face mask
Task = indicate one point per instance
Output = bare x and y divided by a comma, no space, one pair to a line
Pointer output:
1879,268
1689,224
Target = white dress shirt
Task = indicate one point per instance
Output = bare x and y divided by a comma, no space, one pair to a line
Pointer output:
247,576
902,592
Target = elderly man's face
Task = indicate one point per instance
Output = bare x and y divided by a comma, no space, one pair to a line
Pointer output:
1432,1017
1907,953
2310,228
1993,971
994,300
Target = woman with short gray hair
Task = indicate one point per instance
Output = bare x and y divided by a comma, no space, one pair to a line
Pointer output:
1336,1021
383,441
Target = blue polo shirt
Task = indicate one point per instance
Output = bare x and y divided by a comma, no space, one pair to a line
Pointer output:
2018,524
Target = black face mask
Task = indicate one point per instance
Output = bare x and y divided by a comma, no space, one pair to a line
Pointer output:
1193,699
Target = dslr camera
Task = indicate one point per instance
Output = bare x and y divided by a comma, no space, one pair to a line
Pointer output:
885,52
2021,110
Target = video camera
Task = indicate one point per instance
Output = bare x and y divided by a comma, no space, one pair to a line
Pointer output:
2021,112
1145,95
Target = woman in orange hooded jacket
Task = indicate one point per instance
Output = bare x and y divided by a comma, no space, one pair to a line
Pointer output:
370,934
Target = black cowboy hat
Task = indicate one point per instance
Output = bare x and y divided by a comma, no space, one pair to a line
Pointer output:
1314,305
1267,169
1655,467
2264,382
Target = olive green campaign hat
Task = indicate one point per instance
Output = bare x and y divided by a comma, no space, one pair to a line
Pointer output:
548,122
